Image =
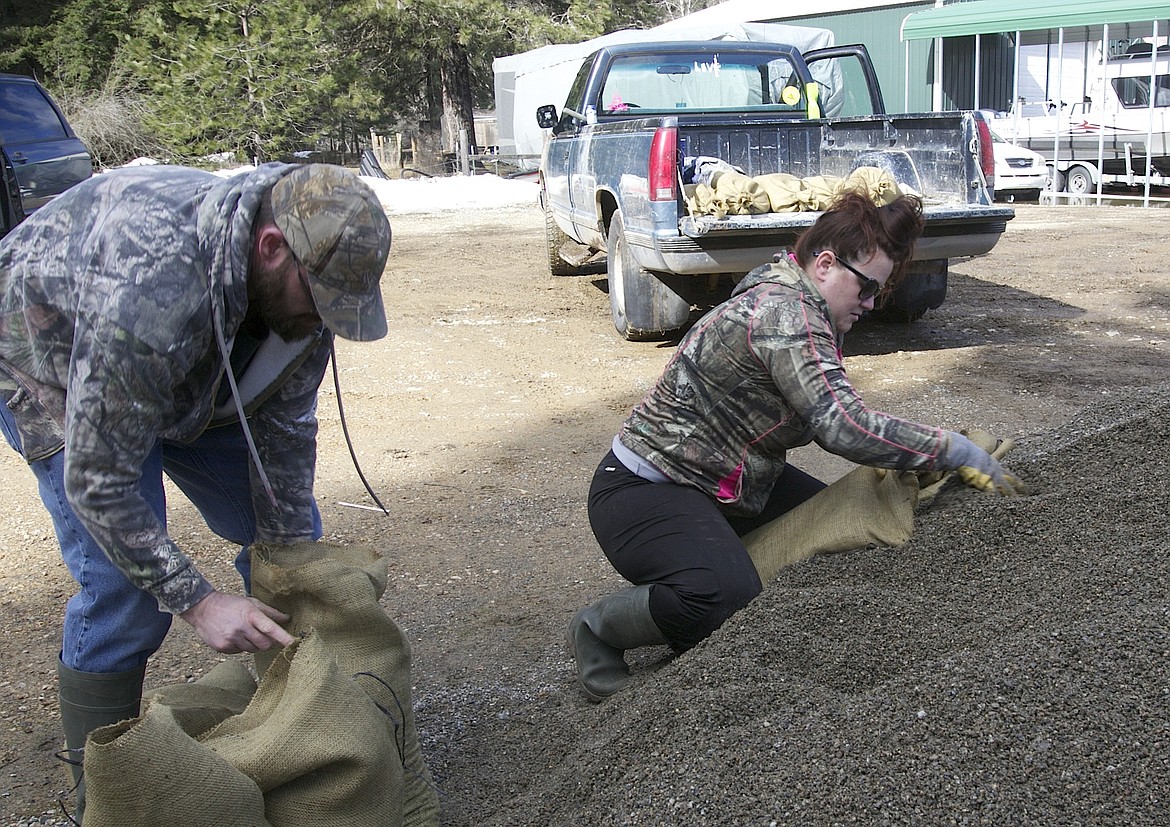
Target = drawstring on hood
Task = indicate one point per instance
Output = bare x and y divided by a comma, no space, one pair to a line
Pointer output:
226,214
225,352
345,429
230,376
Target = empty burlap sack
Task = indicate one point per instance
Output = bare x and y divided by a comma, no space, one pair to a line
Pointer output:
309,750
334,590
786,193
867,505
149,772
740,194
223,692
879,185
315,743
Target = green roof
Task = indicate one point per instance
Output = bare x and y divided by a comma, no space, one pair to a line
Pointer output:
993,16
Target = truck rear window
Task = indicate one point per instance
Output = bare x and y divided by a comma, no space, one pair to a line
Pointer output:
705,81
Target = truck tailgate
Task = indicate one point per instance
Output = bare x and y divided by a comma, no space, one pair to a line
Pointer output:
952,230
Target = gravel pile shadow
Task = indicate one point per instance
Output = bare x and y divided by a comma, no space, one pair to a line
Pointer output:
1008,666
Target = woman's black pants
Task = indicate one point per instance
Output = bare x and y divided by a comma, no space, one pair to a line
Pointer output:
676,538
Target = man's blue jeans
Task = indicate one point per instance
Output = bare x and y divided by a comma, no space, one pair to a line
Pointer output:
110,625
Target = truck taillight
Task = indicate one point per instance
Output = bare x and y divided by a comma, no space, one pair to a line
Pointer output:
663,164
986,154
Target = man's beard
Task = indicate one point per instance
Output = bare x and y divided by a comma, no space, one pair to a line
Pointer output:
268,304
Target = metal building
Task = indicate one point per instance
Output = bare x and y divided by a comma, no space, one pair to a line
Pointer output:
975,45
1086,83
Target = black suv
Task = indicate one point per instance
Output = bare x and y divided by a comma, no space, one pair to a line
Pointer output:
40,156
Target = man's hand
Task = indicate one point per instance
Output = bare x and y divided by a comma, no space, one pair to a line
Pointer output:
230,624
979,469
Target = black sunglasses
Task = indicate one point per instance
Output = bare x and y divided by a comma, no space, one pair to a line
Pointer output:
869,287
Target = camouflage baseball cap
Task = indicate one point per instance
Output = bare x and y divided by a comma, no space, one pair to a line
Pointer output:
337,229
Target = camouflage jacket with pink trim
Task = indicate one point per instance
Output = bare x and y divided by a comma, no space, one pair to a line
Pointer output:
759,374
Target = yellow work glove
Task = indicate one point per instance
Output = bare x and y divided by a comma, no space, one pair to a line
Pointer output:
977,468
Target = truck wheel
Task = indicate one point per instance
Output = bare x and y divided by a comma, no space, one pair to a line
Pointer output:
1079,180
642,305
923,288
556,239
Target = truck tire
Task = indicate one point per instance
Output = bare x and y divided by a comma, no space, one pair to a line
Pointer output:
556,239
642,305
1079,180
923,288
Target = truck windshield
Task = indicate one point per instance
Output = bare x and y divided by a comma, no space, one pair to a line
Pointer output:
705,81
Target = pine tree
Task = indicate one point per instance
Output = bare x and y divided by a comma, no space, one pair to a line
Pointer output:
249,77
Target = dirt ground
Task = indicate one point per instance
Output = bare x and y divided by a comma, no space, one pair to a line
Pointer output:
479,421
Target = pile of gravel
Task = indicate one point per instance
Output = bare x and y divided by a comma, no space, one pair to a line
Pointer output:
1010,665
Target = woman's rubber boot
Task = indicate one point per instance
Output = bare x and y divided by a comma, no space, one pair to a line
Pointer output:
90,700
600,633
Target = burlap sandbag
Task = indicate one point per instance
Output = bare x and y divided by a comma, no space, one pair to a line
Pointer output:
334,590
148,772
223,692
315,744
874,182
867,505
786,193
740,194
822,191
698,199
702,200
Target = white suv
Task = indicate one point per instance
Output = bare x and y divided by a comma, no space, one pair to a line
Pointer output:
1020,173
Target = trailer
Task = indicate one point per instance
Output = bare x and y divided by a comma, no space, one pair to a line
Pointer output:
1118,136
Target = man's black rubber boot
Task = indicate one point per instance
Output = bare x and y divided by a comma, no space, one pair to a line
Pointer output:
600,633
90,700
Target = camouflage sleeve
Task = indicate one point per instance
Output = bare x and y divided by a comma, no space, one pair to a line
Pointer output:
797,345
119,393
285,430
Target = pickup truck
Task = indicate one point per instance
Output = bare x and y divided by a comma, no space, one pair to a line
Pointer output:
640,115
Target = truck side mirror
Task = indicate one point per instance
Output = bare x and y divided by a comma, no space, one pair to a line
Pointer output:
546,116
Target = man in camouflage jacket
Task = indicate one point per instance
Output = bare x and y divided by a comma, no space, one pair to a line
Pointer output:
121,302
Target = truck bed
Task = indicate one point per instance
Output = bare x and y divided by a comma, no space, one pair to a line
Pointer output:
918,150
